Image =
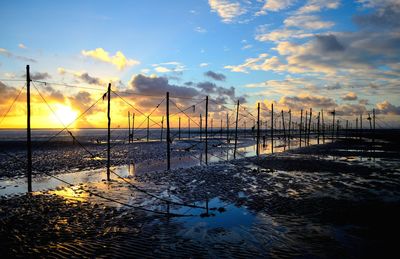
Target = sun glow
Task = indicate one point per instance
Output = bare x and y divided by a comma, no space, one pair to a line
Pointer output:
65,114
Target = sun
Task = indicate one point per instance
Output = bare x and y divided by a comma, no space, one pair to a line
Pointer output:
65,114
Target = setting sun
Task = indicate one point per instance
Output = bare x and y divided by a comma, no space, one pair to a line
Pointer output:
65,114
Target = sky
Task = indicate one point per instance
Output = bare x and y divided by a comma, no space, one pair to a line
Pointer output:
320,54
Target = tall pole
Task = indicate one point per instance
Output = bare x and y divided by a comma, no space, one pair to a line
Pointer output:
305,128
236,128
309,127
258,129
221,130
283,126
129,127
108,131
301,125
290,122
333,123
323,126
318,127
133,126
272,127
168,135
361,126
206,130
28,128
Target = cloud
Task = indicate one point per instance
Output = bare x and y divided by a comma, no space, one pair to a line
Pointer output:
40,76
209,88
262,62
351,96
263,34
8,54
203,64
226,9
200,29
318,5
119,60
215,76
385,16
275,5
167,67
329,43
21,46
311,22
307,101
386,107
89,79
162,69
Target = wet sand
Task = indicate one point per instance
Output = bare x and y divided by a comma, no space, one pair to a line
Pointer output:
335,200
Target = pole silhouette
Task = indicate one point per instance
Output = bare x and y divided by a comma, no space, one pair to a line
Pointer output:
28,129
108,131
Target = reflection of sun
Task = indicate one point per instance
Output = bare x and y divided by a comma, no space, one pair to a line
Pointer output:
65,113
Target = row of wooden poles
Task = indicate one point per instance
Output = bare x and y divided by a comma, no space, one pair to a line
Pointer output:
302,128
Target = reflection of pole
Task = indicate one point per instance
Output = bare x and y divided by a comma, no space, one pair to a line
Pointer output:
108,131
236,129
28,129
168,135
258,129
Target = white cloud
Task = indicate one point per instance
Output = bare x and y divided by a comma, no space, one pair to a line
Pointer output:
275,5
119,60
226,9
263,34
311,22
317,5
203,64
162,69
200,29
21,46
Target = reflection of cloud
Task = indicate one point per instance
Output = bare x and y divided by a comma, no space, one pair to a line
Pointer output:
119,60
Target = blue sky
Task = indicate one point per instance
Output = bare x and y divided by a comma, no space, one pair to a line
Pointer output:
323,53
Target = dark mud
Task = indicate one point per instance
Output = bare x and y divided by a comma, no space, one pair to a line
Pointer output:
338,200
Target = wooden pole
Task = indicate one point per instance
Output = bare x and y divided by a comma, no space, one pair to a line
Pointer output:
283,126
290,122
333,123
323,126
108,131
258,129
309,127
301,125
361,126
272,127
236,129
318,127
28,129
206,150
305,128
168,135
129,127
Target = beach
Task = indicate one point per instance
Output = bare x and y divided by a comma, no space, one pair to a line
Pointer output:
338,199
